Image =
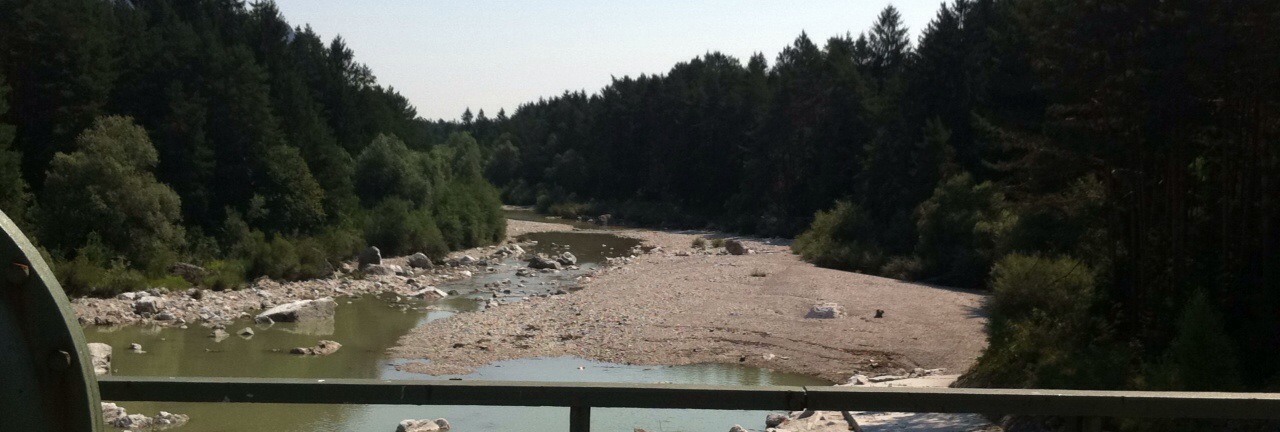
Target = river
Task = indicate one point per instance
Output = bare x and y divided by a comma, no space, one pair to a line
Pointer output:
367,326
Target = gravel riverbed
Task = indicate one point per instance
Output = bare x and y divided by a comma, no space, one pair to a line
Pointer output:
679,305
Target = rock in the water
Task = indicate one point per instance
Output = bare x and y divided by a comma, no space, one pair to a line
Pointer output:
567,259
245,332
443,424
369,256
148,304
737,428
135,347
323,348
300,311
429,293
132,421
219,334
263,320
417,426
191,273
773,420
111,412
540,262
167,420
735,247
100,357
825,310
117,416
420,260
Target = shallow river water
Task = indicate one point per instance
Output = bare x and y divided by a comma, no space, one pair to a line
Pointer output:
366,327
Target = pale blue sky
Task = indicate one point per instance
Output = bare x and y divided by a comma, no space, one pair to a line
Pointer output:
449,55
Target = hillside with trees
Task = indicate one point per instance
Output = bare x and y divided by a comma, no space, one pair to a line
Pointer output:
1107,169
137,134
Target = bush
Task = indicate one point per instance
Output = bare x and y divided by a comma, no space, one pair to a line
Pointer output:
106,186
224,275
469,214
397,228
699,243
841,238
960,227
902,268
81,277
1041,334
717,243
96,271
1201,356
387,168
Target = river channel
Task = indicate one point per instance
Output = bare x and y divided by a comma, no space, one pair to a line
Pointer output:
367,326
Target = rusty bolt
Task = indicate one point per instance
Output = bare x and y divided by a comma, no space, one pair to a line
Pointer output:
59,360
17,273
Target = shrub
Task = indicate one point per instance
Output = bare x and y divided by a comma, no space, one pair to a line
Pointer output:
469,214
224,275
901,267
1201,356
699,243
959,229
397,228
96,271
1040,332
841,238
386,168
106,186
717,243
81,277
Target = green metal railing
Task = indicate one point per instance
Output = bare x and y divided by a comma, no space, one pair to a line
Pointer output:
1084,408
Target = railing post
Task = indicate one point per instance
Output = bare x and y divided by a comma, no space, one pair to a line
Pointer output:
579,419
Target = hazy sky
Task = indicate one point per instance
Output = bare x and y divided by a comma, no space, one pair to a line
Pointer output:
446,56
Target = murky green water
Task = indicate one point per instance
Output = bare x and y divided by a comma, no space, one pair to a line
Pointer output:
368,326
530,215
589,248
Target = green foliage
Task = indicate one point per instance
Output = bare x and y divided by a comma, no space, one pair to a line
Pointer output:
960,228
294,200
841,238
224,275
386,169
469,214
1200,357
96,272
250,127
717,242
699,243
14,197
397,228
106,186
1041,332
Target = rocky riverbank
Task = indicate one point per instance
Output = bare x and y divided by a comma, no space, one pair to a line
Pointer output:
677,304
403,276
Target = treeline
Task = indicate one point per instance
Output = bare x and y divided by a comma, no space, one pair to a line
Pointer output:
1108,168
136,134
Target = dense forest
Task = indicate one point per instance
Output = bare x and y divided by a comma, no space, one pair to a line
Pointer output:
1107,168
136,134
